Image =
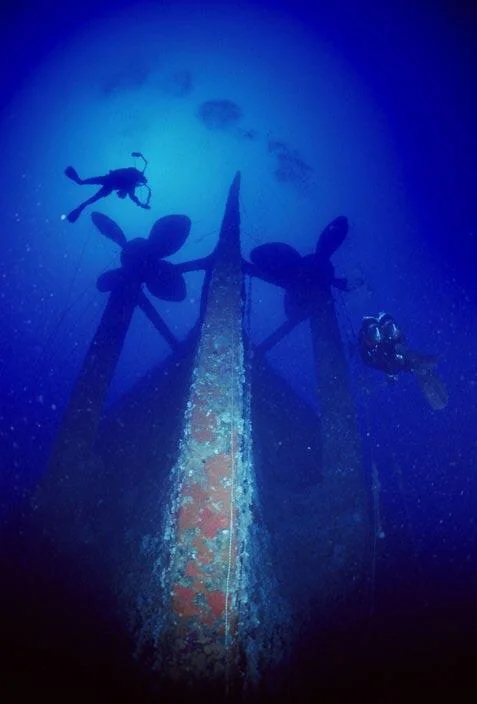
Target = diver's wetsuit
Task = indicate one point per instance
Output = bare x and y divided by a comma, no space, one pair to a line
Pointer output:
382,346
124,181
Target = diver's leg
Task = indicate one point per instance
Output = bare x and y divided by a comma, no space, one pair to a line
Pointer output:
102,193
95,181
416,361
433,388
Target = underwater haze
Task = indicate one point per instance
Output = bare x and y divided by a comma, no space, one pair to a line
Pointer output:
357,109
303,134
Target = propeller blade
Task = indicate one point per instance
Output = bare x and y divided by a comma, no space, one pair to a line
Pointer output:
109,229
164,281
315,272
109,280
332,237
168,234
277,262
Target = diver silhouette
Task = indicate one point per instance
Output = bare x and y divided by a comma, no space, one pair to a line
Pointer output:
124,181
383,346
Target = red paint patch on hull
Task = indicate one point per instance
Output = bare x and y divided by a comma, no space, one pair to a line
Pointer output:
212,522
183,601
216,602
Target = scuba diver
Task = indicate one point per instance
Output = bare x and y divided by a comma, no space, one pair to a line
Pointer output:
123,181
382,345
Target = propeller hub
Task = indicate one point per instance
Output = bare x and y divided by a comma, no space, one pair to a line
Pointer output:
143,260
134,257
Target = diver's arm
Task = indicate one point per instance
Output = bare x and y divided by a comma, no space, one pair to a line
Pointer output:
136,200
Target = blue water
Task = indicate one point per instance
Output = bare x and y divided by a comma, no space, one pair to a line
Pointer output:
375,113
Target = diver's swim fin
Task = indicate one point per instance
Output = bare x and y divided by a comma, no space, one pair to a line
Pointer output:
417,362
433,389
72,174
74,215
